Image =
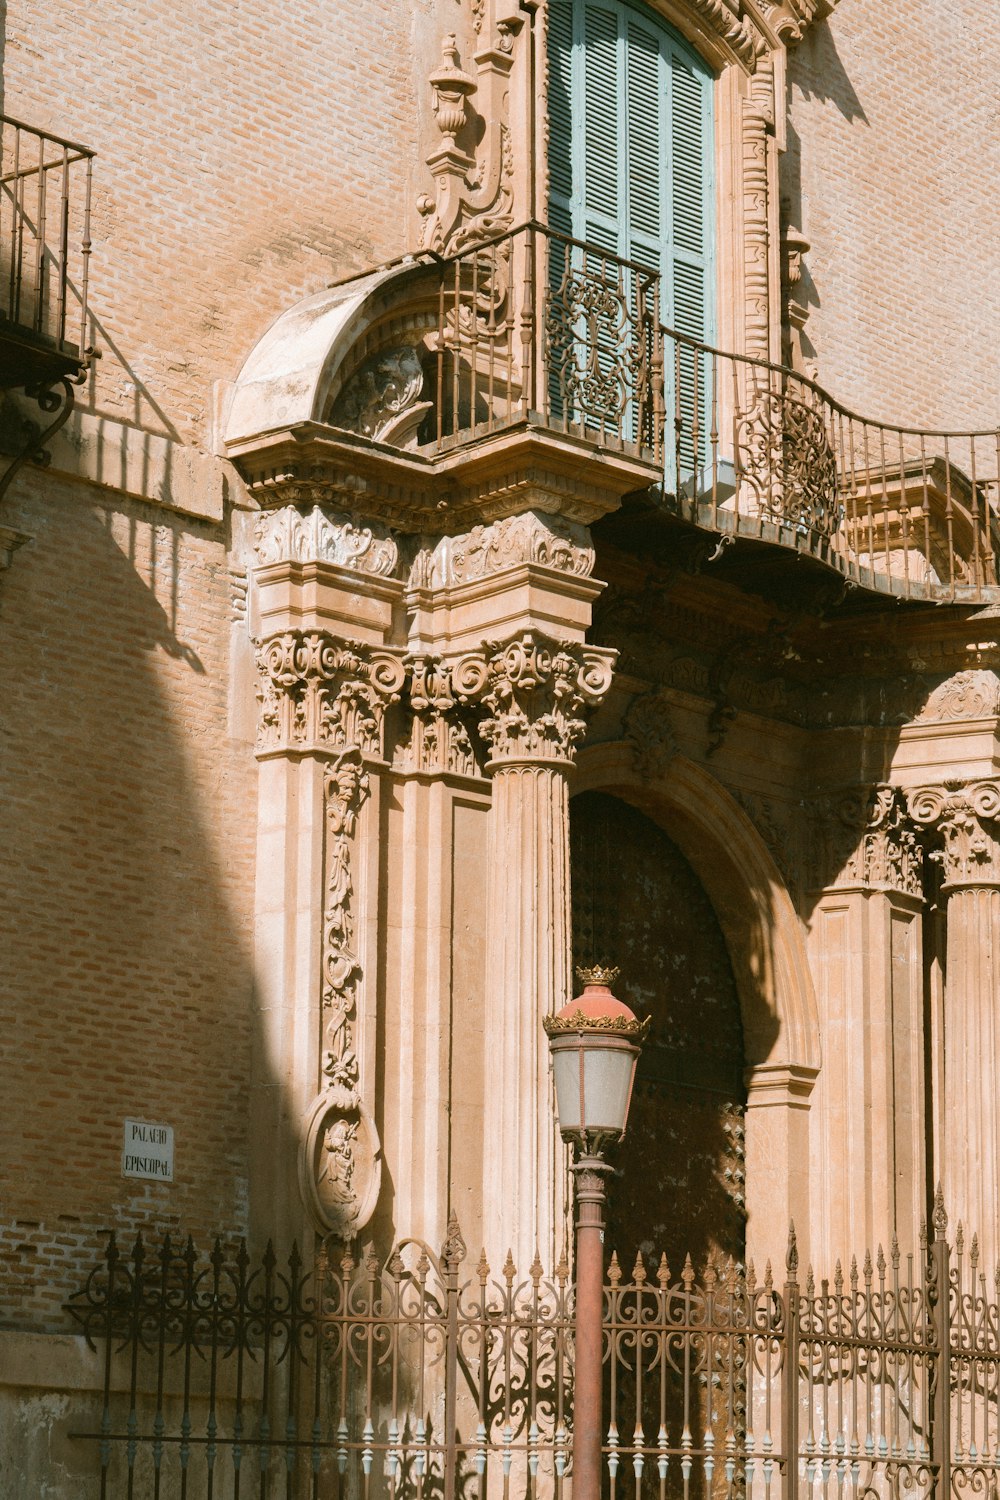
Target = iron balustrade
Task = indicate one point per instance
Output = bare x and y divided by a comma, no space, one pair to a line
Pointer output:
431,1376
759,451
535,328
44,236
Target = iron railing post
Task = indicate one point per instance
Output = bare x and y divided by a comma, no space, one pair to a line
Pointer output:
790,1372
451,1260
940,1299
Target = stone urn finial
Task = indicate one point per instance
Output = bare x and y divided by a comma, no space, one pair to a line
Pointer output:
451,89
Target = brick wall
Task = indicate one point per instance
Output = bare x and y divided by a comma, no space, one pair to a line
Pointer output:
892,174
126,879
248,154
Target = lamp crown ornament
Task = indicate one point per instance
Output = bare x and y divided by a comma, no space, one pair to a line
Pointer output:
595,1042
597,1009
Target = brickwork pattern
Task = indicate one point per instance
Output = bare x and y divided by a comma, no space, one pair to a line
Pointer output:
126,878
249,154
892,174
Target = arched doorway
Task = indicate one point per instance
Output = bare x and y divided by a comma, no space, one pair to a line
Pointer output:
638,903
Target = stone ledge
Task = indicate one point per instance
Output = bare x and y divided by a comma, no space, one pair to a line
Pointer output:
149,465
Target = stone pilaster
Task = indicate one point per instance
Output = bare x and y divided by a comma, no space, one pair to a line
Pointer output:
535,693
322,603
966,818
866,945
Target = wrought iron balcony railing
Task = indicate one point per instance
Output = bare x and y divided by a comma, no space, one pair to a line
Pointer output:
44,253
535,328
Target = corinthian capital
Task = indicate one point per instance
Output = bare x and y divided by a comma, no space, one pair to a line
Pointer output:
536,693
320,693
966,817
874,823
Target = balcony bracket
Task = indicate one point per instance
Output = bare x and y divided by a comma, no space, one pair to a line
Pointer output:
22,440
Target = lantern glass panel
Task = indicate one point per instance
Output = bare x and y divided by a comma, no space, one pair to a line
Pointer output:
566,1072
607,1073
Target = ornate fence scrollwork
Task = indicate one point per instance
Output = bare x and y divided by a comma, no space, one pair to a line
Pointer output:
435,1376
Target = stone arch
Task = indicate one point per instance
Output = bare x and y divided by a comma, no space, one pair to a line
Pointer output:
299,368
767,950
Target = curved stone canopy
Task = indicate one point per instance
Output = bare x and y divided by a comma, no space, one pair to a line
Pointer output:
290,373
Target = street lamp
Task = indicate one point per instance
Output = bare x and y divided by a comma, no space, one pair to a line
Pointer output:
595,1042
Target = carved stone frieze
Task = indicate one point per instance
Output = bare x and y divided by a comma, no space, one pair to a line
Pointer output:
319,693
967,695
536,693
865,837
318,535
532,537
966,817
438,739
649,732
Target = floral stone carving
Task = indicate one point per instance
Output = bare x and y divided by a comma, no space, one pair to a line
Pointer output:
965,815
381,400
316,535
317,692
439,740
884,849
548,541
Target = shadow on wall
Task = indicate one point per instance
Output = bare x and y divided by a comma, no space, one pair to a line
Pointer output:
127,856
816,72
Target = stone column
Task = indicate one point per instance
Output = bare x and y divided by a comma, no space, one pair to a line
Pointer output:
869,1107
967,820
322,605
535,692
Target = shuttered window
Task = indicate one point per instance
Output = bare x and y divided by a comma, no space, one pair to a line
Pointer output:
631,151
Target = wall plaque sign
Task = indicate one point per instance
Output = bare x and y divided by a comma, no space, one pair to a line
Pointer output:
148,1151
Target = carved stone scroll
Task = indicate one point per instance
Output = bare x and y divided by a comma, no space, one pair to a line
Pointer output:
439,740
318,693
649,731
536,693
968,695
874,826
548,541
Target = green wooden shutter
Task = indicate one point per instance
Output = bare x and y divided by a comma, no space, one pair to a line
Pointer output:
631,156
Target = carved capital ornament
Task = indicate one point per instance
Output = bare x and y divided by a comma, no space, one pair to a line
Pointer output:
967,818
536,693
319,693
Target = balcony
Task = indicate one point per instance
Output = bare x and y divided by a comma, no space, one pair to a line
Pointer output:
44,253
535,349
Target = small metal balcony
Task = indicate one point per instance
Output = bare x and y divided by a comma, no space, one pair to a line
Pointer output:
44,255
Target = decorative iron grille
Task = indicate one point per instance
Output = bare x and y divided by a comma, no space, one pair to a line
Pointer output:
428,1376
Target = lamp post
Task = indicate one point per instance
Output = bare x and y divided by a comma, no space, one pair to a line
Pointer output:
595,1042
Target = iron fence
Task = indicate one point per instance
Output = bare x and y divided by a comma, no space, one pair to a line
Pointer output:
44,236
430,1376
534,327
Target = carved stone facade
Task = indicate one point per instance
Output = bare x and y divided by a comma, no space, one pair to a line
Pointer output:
317,693
536,693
